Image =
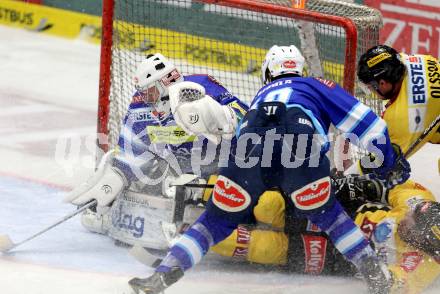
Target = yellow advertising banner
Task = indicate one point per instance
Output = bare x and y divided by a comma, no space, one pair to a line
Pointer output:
196,50
49,20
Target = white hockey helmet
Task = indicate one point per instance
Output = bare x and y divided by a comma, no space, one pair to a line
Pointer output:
281,60
153,77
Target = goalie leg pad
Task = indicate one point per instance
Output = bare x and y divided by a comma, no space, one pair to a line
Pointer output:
104,186
137,219
96,221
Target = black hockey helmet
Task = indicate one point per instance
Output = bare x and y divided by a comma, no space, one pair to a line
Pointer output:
380,62
427,221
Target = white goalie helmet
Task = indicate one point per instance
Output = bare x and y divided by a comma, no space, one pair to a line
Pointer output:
281,60
153,77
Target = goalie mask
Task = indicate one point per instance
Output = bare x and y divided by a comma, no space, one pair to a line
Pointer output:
282,60
152,78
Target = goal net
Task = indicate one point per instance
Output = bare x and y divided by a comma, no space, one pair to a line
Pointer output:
228,39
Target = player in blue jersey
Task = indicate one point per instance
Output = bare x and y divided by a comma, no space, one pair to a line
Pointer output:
162,137
287,128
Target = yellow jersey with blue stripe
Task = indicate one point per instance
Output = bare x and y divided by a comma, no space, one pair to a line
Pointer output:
417,104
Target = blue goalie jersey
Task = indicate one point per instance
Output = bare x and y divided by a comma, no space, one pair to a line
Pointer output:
147,132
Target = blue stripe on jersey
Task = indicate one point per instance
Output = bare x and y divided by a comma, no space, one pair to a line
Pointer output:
358,252
345,121
353,118
376,129
186,252
363,128
192,248
199,237
325,142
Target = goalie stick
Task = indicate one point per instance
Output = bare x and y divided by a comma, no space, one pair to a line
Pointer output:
6,243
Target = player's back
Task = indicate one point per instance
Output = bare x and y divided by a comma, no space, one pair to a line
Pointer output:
325,103
323,100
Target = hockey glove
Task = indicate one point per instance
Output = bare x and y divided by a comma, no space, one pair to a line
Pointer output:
362,191
397,174
349,195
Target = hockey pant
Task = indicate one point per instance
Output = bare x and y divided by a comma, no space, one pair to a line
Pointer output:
263,243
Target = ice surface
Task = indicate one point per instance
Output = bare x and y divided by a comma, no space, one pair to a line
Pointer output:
48,90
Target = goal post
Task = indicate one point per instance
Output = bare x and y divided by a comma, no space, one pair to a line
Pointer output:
227,39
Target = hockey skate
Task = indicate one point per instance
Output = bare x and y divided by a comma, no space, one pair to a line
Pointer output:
376,275
156,283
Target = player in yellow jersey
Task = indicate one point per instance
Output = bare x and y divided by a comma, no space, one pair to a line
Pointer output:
411,86
405,233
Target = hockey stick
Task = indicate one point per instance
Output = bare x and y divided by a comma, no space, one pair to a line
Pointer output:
6,243
143,256
425,133
338,181
410,149
354,178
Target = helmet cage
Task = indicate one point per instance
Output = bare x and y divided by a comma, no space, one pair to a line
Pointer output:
153,93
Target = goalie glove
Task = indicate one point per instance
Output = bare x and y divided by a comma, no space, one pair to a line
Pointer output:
104,185
199,114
